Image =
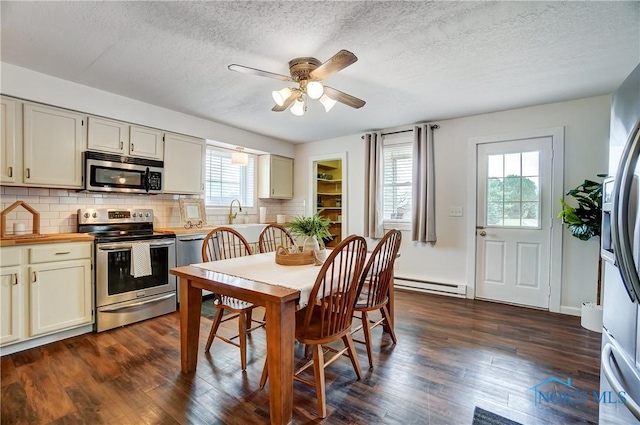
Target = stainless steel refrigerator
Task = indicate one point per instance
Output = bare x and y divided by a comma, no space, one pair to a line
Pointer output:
620,363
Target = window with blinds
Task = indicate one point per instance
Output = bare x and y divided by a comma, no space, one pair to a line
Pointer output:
226,182
397,163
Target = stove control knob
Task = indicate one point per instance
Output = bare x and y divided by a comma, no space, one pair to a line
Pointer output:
94,215
134,215
148,215
86,215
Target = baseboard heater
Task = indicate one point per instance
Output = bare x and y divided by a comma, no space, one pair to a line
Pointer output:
411,284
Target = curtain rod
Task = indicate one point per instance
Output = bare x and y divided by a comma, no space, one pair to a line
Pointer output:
433,127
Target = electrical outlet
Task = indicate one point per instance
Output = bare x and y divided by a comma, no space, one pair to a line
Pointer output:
455,211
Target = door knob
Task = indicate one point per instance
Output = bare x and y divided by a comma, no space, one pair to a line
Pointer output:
483,233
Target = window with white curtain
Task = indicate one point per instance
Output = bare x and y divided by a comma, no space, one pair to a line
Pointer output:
226,182
397,162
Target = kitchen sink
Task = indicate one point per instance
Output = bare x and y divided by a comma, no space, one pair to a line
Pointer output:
250,231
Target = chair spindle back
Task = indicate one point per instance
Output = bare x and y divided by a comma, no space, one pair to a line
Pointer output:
335,289
376,277
223,243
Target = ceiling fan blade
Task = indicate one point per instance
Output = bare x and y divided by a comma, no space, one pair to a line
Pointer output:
339,61
347,99
258,72
289,101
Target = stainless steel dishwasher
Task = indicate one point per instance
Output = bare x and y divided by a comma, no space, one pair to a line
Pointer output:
189,251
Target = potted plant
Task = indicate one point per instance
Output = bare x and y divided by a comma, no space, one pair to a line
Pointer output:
584,223
312,230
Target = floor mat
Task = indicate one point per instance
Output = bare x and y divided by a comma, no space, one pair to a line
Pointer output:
484,417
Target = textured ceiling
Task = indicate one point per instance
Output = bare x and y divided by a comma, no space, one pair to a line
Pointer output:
418,61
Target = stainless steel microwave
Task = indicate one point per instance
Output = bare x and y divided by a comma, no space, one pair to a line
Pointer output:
114,173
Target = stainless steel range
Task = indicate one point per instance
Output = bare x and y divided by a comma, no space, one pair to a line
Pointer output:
122,298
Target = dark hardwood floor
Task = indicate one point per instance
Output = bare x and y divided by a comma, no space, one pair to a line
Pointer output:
451,356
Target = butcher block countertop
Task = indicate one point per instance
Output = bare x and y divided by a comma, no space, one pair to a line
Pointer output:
205,229
48,238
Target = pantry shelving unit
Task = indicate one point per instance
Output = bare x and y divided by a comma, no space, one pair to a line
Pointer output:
329,197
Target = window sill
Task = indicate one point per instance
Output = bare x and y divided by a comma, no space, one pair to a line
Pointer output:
393,224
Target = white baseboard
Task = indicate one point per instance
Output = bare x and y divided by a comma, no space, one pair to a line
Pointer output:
426,291
572,311
430,287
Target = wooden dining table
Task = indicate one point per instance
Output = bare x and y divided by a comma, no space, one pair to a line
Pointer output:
259,280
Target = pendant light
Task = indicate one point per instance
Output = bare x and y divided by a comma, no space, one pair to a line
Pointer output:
239,157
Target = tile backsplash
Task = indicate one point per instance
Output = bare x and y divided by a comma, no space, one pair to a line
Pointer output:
58,208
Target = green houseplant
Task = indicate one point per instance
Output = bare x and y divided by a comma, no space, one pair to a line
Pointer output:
303,227
584,221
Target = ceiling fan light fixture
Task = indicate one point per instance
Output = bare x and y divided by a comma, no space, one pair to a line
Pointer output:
239,158
298,107
315,89
327,102
279,96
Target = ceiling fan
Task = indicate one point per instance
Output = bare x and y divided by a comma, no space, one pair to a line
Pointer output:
308,72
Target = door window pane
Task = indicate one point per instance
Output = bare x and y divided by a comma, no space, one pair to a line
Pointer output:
530,189
494,214
530,214
513,190
495,190
512,164
496,167
530,165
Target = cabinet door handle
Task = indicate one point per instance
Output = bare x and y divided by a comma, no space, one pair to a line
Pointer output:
273,191
15,278
63,253
28,173
35,277
131,147
121,145
10,171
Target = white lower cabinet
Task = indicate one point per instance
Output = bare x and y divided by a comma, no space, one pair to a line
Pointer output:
45,288
10,304
59,296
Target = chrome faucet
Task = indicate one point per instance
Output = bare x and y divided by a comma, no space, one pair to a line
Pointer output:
231,214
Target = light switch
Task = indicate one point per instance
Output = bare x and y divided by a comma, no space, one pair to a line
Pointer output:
455,211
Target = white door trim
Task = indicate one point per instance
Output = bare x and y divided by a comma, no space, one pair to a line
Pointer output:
311,204
557,189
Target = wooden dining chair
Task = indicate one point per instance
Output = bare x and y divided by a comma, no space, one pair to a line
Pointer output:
220,244
273,236
373,289
329,312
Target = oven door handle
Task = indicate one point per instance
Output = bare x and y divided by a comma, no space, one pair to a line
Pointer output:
138,304
127,246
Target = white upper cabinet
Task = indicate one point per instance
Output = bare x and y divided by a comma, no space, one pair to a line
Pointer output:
145,142
53,143
8,159
275,177
118,137
183,164
108,136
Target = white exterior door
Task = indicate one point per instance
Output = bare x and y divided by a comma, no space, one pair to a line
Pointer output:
514,217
